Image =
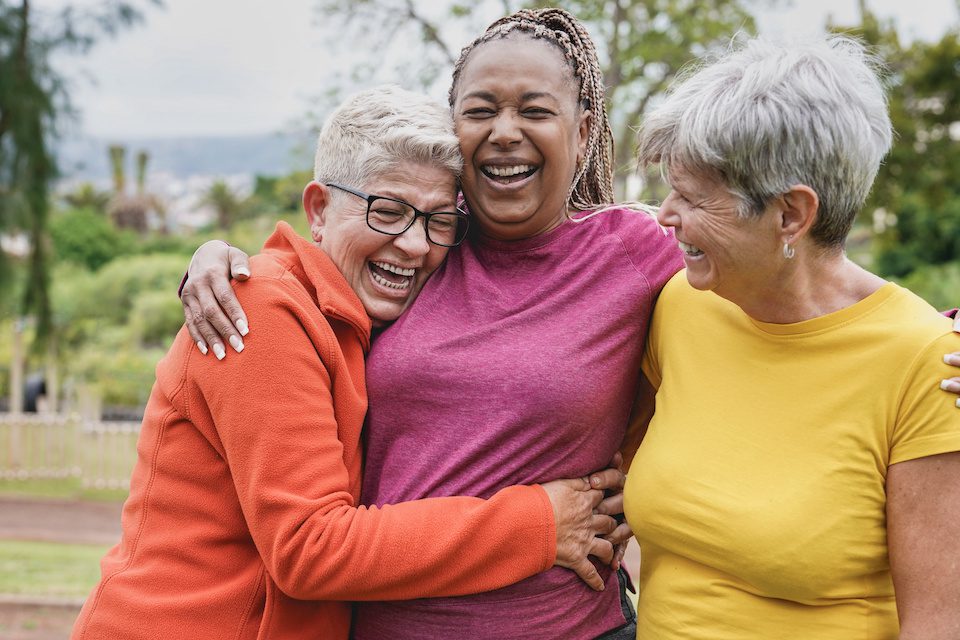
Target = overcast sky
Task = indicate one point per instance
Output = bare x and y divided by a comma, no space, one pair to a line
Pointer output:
218,67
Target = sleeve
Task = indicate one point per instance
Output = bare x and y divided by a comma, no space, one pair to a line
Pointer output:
273,413
928,421
650,364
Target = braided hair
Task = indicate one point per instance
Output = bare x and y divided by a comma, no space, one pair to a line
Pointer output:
592,185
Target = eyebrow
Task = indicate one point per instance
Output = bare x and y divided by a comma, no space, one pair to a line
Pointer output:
530,95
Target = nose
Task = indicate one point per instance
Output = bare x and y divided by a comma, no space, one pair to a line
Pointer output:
505,129
414,241
667,214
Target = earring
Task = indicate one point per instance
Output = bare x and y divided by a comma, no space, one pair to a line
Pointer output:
788,251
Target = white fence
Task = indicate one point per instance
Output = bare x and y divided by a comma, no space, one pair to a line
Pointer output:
100,454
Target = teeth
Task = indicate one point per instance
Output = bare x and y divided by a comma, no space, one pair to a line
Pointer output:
400,271
505,172
689,249
393,285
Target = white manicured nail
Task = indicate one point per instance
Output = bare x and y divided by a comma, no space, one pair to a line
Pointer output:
242,327
219,351
236,343
202,347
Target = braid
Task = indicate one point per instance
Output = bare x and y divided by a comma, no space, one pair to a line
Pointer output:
593,181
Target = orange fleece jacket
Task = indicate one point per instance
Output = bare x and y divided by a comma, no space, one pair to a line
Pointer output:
242,520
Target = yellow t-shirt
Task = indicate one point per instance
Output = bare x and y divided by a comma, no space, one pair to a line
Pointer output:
758,493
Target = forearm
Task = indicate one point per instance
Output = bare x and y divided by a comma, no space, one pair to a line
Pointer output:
425,548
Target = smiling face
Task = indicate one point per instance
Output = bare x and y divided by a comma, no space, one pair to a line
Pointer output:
522,133
386,272
732,255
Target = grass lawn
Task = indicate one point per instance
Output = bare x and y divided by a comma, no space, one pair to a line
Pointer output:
49,568
64,488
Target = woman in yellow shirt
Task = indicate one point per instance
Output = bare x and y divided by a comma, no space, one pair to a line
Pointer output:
801,475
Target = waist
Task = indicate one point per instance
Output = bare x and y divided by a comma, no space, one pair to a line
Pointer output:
550,605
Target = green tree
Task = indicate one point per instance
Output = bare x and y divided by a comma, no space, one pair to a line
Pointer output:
87,196
225,202
641,43
87,238
33,103
914,207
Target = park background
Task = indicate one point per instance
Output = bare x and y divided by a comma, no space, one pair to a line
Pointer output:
133,130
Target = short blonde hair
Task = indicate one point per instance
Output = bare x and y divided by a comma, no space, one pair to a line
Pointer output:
377,130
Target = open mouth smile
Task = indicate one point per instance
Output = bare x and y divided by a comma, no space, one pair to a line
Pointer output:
508,174
391,276
689,249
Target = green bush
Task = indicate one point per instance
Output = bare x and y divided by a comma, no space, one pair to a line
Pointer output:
939,285
118,284
87,238
157,316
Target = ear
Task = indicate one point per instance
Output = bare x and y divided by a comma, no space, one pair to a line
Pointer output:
799,210
316,197
583,131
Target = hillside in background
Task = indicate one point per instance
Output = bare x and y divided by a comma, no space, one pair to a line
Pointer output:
267,154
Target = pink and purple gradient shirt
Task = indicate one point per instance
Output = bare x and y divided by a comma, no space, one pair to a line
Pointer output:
517,364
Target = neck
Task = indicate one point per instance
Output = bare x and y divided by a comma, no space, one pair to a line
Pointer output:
809,288
506,232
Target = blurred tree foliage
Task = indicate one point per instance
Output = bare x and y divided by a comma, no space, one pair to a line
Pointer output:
641,44
87,238
33,102
915,203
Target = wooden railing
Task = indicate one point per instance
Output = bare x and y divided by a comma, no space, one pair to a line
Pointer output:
100,454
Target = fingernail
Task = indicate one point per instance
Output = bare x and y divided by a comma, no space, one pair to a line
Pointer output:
950,385
952,358
202,347
595,481
242,327
218,351
958,403
236,343
243,271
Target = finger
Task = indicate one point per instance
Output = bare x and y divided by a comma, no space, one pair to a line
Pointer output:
602,550
602,525
617,461
227,299
952,358
239,264
620,535
607,479
956,322
611,505
951,385
619,553
198,326
213,315
588,573
188,315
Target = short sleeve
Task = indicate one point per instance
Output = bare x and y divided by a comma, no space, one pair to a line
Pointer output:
667,303
928,420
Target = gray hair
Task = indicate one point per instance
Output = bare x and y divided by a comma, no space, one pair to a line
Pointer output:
765,116
381,129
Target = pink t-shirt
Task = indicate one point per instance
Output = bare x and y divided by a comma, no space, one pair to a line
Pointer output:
518,364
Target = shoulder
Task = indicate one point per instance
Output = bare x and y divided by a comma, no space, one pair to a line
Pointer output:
650,247
917,325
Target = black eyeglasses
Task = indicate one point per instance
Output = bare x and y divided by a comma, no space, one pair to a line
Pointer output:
393,217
